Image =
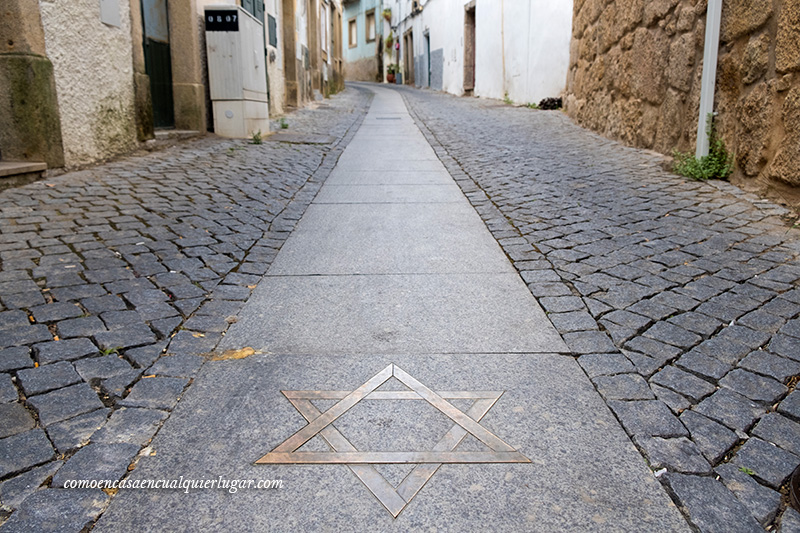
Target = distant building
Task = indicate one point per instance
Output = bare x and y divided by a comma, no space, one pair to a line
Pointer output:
312,65
516,49
363,25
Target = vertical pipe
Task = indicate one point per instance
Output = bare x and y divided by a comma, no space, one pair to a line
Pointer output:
710,52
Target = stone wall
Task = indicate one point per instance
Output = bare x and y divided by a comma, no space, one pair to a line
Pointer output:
364,69
30,127
636,66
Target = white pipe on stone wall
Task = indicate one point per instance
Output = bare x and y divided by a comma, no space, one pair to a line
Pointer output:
710,52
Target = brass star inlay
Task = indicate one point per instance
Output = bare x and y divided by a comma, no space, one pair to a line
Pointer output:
343,452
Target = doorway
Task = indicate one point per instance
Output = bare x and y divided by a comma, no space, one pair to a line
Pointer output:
469,49
158,61
408,51
428,59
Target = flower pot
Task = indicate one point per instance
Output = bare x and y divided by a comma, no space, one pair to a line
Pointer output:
390,78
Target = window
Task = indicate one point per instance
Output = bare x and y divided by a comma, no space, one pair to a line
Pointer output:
323,24
273,31
370,25
352,33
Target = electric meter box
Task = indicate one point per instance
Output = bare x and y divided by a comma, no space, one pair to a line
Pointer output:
237,71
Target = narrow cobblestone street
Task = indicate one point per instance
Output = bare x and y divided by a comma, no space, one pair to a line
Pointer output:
129,269
679,301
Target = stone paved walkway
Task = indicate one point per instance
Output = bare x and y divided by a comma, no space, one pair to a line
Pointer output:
680,299
115,279
391,283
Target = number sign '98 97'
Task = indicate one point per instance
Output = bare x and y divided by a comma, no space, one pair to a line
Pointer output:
222,20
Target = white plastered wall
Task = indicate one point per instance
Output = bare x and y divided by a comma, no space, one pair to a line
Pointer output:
443,21
94,79
522,46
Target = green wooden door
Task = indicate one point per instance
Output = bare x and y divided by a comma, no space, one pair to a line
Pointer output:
255,8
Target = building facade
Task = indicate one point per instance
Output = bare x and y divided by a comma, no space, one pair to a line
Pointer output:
515,49
363,24
85,80
313,64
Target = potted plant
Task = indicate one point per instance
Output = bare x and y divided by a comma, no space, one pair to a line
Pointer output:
387,14
391,70
389,42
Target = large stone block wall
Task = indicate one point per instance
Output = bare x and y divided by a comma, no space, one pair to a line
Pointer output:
30,127
636,66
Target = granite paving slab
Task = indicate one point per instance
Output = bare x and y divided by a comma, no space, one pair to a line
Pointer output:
584,474
437,313
389,194
404,238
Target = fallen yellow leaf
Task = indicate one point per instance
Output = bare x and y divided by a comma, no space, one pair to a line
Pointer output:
234,354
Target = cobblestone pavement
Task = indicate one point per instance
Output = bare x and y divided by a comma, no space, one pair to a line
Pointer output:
680,299
115,279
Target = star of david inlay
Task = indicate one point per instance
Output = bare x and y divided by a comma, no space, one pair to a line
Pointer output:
343,452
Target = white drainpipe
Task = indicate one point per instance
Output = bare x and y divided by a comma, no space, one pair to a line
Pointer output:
710,52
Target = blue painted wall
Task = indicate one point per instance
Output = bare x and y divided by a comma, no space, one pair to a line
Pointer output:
358,10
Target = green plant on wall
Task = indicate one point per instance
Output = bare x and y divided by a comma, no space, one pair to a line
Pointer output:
718,164
387,14
389,42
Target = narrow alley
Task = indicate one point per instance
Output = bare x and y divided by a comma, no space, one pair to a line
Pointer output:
594,343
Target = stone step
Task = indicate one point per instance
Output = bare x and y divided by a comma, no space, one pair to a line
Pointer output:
179,135
16,173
